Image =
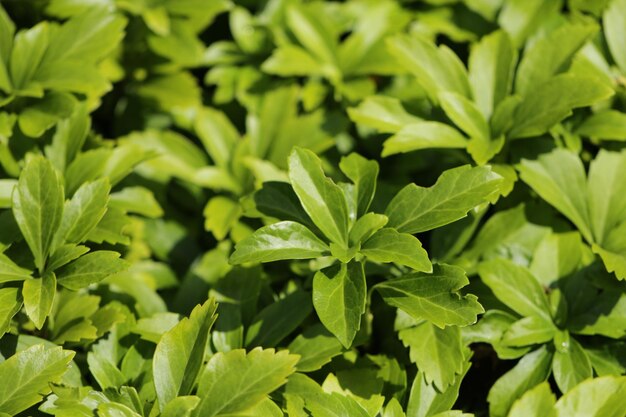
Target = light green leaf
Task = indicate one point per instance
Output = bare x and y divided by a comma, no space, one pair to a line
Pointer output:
417,209
598,397
90,269
388,245
365,227
316,347
218,135
283,240
179,355
438,353
553,101
221,214
38,206
606,124
138,200
433,297
291,60
38,294
393,409
385,114
423,135
558,178
615,31
363,173
426,400
10,271
83,212
607,207
550,55
312,32
6,189
515,286
10,304
180,406
30,372
465,115
321,198
529,331
34,120
536,402
226,386
556,256
491,65
28,51
339,297
530,371
437,69
571,366
521,18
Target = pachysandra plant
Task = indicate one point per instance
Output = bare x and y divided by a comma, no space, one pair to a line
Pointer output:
324,219
312,208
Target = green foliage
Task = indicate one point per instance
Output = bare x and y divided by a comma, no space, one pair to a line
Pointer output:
313,208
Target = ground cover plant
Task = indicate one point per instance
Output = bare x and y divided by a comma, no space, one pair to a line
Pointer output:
265,208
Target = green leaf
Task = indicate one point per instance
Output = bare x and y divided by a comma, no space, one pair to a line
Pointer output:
277,199
312,32
536,402
606,124
38,296
45,113
138,200
365,227
28,51
465,115
322,199
530,371
225,386
598,397
529,331
276,321
339,297
433,297
558,178
90,269
417,209
180,406
217,134
438,353
615,32
221,214
437,69
38,206
10,304
571,366
605,188
553,101
10,271
291,60
385,114
283,240
491,65
316,347
179,355
83,212
424,135
426,400
515,286
363,173
388,245
100,32
30,372
560,45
